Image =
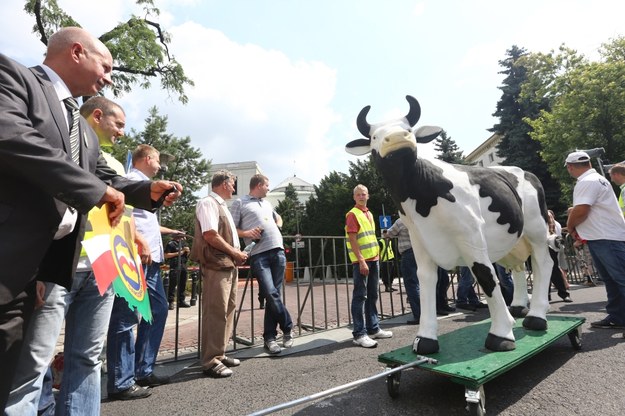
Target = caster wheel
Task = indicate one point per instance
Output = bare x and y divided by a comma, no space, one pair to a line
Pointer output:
392,384
576,339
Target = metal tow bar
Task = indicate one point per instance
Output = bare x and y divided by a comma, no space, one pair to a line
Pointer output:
329,392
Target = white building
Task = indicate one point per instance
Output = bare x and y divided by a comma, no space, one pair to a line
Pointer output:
486,153
244,172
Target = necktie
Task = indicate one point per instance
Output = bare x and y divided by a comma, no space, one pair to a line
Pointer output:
72,108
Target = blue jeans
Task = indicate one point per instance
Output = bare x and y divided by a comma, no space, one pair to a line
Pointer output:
408,267
268,269
364,300
37,352
506,283
608,257
125,359
466,293
86,323
86,319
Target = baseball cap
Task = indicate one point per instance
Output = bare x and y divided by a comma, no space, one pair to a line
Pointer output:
577,157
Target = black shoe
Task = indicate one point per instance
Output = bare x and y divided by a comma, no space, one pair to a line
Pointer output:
481,305
606,324
183,304
412,322
441,312
447,308
171,306
131,393
466,306
193,302
567,299
153,380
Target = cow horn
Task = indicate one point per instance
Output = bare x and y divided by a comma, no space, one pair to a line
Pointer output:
415,111
363,126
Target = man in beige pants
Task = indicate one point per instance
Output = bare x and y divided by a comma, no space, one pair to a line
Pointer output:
216,247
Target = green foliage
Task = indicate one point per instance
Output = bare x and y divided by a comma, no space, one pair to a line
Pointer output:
291,211
139,47
517,147
188,168
448,149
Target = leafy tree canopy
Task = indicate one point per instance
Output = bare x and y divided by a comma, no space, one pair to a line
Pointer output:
448,149
139,46
188,168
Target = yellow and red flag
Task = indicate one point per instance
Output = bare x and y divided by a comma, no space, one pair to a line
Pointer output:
114,259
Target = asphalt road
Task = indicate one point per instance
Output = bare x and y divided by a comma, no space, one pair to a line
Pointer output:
557,381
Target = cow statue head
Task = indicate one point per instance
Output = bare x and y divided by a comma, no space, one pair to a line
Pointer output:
386,137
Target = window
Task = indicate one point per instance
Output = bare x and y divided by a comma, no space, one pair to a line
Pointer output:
480,163
491,157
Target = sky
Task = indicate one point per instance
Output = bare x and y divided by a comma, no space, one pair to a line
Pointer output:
280,82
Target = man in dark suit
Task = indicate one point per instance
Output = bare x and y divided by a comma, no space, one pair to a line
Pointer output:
46,194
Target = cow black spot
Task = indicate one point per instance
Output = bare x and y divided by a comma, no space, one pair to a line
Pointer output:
542,202
500,186
408,177
484,278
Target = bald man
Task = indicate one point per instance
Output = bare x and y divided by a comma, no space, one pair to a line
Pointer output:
50,181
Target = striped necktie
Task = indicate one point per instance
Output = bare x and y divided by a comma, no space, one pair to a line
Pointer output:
72,108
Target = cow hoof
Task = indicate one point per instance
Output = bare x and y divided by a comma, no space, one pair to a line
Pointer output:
495,343
518,311
425,345
535,323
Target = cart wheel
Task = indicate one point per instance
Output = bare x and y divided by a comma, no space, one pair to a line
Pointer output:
392,384
576,339
475,401
475,409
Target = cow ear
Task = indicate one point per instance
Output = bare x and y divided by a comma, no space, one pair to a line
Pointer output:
358,147
426,134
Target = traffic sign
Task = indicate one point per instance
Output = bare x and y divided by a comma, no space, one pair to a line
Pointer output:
385,221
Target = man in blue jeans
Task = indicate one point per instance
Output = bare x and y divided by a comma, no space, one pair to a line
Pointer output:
256,220
130,364
363,250
597,218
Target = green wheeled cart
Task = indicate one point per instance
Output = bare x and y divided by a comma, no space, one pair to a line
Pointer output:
463,358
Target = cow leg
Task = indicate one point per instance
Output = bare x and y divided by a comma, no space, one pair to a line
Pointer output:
426,341
500,337
542,264
520,300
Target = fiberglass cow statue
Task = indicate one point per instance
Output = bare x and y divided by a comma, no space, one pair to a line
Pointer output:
463,216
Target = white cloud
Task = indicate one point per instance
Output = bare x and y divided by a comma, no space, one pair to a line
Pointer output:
249,103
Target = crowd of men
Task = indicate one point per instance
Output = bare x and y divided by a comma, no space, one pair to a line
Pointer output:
57,177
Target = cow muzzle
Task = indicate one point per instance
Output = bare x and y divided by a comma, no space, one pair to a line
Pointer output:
396,141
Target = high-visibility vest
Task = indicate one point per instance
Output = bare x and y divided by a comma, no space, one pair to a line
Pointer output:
620,199
367,240
386,250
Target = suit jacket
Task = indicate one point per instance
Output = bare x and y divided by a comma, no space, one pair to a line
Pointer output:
40,181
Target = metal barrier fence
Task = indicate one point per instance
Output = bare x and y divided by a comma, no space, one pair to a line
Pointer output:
318,288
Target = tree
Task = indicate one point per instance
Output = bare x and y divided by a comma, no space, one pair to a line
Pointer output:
517,148
448,149
188,168
139,46
291,211
325,210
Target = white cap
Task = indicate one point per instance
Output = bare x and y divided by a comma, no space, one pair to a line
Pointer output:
577,157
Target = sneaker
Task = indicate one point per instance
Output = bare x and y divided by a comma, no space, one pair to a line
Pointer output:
606,323
131,393
230,362
287,340
381,334
219,370
272,347
365,342
153,380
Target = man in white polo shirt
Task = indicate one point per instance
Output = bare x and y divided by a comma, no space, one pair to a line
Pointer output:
596,217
